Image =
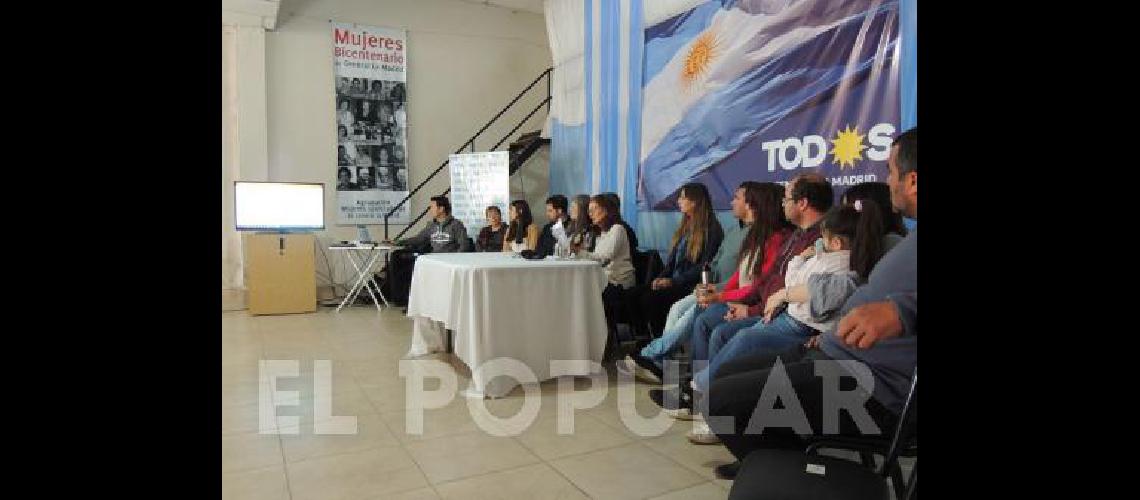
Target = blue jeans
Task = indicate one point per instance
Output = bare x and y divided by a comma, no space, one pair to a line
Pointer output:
678,325
710,320
781,334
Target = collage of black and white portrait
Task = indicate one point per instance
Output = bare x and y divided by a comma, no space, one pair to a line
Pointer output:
371,128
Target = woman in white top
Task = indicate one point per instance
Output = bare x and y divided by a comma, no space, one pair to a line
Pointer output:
611,249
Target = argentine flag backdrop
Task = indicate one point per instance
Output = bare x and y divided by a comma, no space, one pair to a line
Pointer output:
649,95
762,90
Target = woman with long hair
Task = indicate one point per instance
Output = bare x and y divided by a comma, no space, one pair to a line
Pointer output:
579,228
522,234
880,193
694,243
766,231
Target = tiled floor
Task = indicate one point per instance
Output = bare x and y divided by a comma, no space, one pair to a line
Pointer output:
457,455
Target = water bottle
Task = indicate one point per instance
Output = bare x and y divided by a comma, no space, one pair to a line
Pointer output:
706,279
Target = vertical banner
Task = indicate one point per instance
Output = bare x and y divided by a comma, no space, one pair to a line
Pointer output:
370,67
478,180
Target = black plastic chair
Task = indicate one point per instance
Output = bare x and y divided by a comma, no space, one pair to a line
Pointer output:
771,474
646,265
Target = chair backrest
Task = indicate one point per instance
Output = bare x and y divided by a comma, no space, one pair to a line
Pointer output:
646,265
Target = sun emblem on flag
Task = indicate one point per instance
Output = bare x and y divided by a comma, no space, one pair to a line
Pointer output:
699,58
848,147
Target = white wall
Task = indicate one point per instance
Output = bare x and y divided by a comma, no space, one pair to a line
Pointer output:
244,151
465,62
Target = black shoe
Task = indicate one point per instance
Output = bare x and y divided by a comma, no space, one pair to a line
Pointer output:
727,471
673,399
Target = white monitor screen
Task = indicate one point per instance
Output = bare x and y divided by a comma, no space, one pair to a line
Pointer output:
279,206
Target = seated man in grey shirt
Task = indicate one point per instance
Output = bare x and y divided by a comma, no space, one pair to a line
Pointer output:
444,234
878,330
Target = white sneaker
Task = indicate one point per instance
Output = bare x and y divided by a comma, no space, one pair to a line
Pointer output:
630,367
680,414
702,434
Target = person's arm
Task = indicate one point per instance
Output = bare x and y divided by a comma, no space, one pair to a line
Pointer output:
739,293
730,292
630,236
459,233
772,249
799,294
866,325
825,294
907,305
796,268
733,283
692,275
607,247
799,270
417,240
667,268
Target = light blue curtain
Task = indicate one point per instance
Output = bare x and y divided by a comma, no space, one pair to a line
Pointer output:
908,11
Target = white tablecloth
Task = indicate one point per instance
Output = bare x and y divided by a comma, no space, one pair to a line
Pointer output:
500,306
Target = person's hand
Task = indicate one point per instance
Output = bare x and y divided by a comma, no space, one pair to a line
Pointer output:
808,252
773,302
812,343
867,324
709,297
736,311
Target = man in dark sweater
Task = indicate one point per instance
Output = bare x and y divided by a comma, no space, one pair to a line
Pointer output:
554,232
877,336
444,234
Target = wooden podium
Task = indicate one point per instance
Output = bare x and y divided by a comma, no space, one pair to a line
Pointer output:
280,273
